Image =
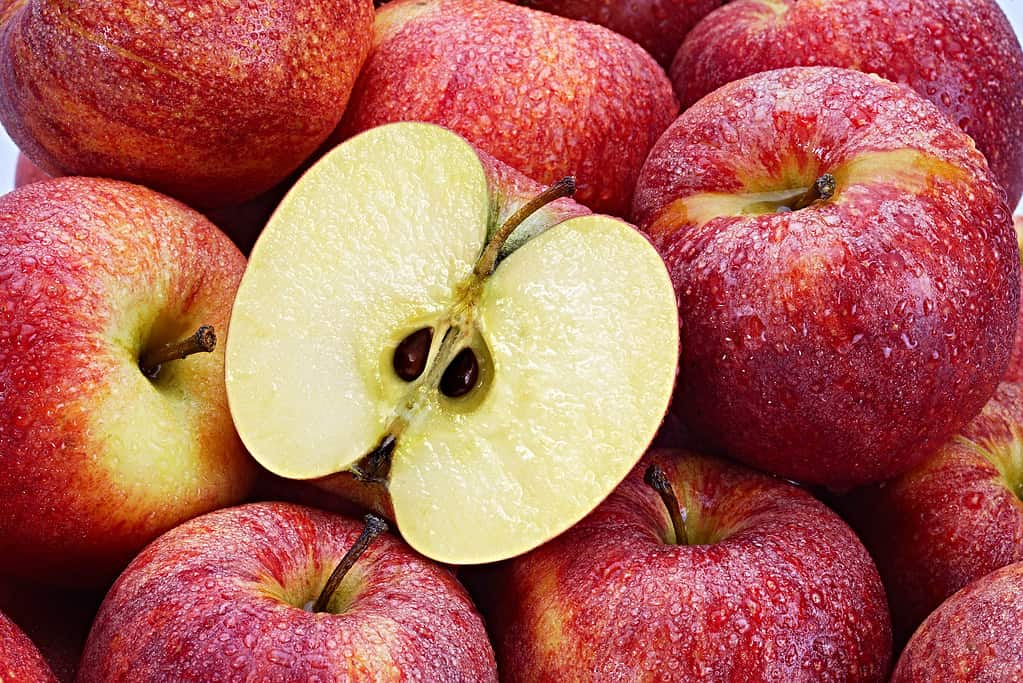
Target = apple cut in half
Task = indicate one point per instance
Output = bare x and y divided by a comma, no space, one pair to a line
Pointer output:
411,317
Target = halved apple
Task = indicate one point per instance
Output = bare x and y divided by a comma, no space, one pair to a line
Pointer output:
409,317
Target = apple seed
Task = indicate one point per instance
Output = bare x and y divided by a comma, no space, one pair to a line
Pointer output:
461,376
411,355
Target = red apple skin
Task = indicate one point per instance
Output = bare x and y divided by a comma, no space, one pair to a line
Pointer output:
778,588
220,598
973,637
962,55
20,661
210,102
1015,371
26,173
541,93
658,25
95,459
950,520
838,344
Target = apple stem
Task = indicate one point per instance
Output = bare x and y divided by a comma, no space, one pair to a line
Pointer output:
374,527
658,481
823,188
376,465
203,341
488,260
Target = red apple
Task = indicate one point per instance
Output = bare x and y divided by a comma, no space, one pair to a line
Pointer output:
232,596
976,636
846,267
657,25
26,173
105,443
548,96
20,661
952,519
745,577
212,102
962,55
1015,371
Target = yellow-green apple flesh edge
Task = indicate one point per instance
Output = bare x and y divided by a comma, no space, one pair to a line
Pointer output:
575,333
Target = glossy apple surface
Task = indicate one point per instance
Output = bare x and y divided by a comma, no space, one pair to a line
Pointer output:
224,596
973,636
769,585
962,55
841,342
549,96
574,333
96,459
211,102
20,661
952,519
1015,371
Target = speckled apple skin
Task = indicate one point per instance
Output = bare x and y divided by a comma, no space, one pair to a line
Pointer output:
214,600
962,55
951,519
20,661
212,102
89,270
781,589
839,344
658,25
976,636
549,96
1015,371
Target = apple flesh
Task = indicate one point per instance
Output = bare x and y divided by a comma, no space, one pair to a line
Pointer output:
973,636
962,55
212,105
573,334
97,458
658,25
757,582
549,96
832,340
20,661
228,596
950,520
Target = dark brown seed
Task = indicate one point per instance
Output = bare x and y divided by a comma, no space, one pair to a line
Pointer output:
412,353
461,376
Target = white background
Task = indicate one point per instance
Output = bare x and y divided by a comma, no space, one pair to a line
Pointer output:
8,152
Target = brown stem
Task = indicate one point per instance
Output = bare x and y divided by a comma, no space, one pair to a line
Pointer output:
203,341
823,188
376,465
374,527
559,190
658,481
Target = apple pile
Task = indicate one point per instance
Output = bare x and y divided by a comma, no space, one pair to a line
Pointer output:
474,340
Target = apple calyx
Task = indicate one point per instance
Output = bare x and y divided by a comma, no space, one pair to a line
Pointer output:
656,479
203,341
454,370
374,527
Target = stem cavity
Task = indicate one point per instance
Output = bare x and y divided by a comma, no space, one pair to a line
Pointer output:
658,481
374,527
822,189
203,341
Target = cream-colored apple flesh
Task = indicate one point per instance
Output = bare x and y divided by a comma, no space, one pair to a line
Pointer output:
576,336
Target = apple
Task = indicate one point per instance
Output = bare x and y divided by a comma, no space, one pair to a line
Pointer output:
549,96
1015,371
658,25
278,592
847,273
426,320
106,440
973,636
694,569
962,55
26,173
20,661
213,103
951,519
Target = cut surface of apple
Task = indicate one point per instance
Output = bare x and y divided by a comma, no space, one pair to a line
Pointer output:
381,253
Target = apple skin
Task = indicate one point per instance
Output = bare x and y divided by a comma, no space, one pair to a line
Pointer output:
20,661
841,343
26,173
1015,371
210,102
974,636
962,55
541,93
221,597
777,588
658,25
95,459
